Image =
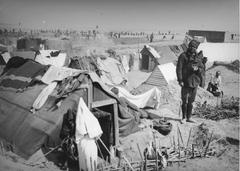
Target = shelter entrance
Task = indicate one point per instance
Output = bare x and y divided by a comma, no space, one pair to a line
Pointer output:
145,62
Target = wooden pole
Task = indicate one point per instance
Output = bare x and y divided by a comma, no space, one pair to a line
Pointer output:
189,137
205,152
140,152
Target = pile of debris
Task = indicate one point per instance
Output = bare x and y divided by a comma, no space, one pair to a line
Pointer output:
229,108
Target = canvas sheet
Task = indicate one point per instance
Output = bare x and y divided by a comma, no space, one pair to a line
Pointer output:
125,63
59,73
167,55
112,70
25,130
169,71
151,98
45,58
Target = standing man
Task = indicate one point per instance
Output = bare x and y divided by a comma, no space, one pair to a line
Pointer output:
189,70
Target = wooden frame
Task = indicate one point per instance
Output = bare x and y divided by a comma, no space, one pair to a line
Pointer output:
94,104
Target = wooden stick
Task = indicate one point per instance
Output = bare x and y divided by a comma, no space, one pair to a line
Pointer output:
174,143
128,163
91,163
180,135
189,137
156,158
208,144
140,151
95,165
145,166
192,151
178,144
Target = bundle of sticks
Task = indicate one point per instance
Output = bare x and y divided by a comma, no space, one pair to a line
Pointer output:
215,113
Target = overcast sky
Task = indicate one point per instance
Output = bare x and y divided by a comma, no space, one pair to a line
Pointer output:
122,14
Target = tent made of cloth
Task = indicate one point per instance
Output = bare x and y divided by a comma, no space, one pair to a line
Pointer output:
157,55
27,131
149,58
168,71
161,76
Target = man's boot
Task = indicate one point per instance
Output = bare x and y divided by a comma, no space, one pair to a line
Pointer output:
184,111
189,112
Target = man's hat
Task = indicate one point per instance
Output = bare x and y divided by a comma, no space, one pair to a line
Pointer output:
194,43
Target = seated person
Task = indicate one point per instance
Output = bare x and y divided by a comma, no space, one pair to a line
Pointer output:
214,86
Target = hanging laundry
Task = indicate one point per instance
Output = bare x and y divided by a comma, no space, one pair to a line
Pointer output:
88,130
150,98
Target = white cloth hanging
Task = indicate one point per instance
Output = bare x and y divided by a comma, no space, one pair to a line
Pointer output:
87,152
151,98
87,131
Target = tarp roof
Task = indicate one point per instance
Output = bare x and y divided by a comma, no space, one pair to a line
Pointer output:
167,55
153,51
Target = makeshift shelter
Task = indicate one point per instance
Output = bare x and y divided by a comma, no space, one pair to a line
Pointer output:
211,36
149,58
27,130
29,43
23,54
35,97
162,75
157,55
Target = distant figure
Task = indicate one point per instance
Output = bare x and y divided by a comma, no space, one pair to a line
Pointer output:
214,86
151,38
147,37
172,37
164,37
131,62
